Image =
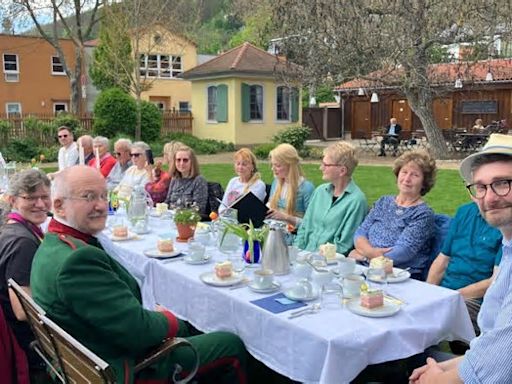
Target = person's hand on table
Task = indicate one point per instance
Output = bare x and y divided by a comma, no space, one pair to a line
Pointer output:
427,374
354,254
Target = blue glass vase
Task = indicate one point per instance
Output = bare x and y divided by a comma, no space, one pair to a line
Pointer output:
252,259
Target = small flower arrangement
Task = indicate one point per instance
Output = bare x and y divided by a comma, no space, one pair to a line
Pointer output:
248,234
187,215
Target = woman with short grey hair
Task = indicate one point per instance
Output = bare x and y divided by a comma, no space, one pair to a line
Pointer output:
138,174
28,199
103,161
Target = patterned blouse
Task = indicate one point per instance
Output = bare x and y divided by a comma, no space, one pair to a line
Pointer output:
187,191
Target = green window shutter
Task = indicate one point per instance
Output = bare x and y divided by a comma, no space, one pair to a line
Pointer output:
295,104
246,107
222,103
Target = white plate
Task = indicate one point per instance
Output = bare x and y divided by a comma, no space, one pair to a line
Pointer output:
396,277
211,278
157,254
388,309
338,257
131,236
274,287
292,296
189,260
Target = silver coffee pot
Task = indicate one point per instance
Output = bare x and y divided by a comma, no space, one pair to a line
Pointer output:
275,250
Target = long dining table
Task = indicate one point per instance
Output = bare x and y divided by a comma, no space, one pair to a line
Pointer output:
328,346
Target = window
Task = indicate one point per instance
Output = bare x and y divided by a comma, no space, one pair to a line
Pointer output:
11,67
160,66
184,106
59,107
12,109
252,102
283,104
287,104
57,67
217,103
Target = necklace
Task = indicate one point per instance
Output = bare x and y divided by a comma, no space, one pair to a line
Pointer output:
400,209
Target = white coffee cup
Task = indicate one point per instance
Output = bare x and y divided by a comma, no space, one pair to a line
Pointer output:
263,278
196,250
303,288
352,285
346,266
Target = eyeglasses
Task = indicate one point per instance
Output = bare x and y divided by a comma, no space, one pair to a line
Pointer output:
185,160
34,199
89,197
499,187
62,136
135,154
330,165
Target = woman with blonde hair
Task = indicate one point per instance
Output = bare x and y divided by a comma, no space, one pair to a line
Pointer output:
290,191
187,185
337,207
248,179
158,186
401,227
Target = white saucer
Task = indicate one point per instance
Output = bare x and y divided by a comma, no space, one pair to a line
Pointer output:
158,254
131,236
388,309
333,261
273,288
292,296
211,278
397,276
189,260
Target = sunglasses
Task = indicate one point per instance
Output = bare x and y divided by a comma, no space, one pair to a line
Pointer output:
135,154
62,136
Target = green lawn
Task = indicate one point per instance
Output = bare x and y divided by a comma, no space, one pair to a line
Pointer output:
375,181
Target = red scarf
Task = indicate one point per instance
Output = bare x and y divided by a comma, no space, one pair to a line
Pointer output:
35,229
59,228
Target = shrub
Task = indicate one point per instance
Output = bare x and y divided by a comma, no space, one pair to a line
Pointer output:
295,136
50,153
315,153
201,146
114,112
5,128
150,121
70,121
261,151
21,150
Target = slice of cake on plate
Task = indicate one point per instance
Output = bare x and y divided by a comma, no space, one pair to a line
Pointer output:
165,245
224,270
372,298
382,262
120,231
328,251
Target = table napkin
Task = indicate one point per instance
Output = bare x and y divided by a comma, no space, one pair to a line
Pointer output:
270,304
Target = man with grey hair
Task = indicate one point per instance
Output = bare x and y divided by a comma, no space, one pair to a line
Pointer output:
488,175
122,153
28,201
103,161
86,142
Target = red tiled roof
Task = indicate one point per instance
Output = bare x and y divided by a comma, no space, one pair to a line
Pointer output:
244,59
445,73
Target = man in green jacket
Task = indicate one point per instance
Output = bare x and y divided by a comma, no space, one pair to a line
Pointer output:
96,300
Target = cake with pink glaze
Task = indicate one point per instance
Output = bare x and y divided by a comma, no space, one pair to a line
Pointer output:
372,298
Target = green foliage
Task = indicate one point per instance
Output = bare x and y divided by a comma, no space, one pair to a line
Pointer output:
323,94
187,216
114,112
50,153
257,30
201,146
21,150
295,136
150,121
70,121
261,151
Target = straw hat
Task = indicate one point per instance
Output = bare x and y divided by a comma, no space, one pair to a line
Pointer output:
497,143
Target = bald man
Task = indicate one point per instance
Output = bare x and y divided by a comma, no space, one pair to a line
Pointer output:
96,300
86,142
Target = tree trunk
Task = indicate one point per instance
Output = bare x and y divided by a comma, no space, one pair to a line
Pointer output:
75,83
138,130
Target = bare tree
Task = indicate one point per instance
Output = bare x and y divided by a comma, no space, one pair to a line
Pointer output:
388,42
68,16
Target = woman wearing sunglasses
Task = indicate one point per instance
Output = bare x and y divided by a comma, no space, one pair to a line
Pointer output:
187,185
138,174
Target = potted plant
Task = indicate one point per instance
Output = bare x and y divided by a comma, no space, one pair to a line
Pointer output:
253,239
186,219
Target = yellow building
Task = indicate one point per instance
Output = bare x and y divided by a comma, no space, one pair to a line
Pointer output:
238,98
165,56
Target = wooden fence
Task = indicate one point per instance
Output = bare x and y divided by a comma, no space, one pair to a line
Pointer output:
44,132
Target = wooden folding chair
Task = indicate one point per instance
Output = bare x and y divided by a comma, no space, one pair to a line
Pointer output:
72,362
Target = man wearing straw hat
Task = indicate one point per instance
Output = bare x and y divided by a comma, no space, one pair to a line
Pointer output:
488,176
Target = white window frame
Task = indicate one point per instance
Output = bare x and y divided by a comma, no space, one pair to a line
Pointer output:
12,103
289,89
60,103
160,66
52,65
251,120
208,103
11,75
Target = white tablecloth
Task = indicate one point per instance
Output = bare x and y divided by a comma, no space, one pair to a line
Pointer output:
332,346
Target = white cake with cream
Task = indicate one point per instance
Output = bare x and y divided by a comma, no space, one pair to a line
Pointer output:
328,251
